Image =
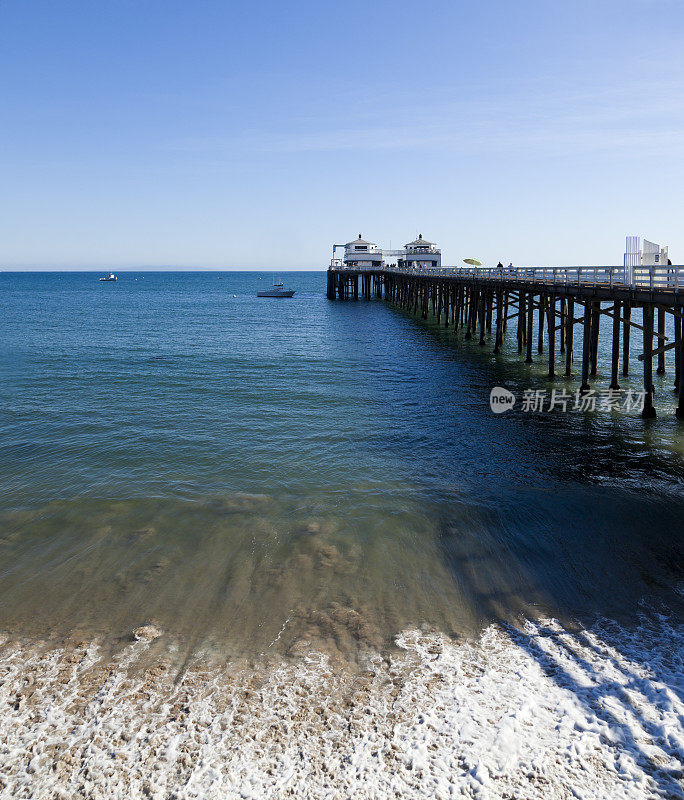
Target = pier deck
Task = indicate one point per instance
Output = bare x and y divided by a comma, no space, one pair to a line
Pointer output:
479,300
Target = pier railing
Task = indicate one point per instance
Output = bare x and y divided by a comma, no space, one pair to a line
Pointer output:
666,277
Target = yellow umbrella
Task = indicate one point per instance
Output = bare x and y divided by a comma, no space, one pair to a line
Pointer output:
473,261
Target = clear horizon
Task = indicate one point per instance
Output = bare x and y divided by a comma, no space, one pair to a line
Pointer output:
161,268
231,136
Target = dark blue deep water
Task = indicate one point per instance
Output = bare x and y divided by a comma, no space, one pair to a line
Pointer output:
221,465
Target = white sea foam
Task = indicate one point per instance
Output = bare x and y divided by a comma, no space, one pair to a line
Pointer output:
537,712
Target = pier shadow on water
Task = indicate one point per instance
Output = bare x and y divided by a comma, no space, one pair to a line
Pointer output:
616,577
624,689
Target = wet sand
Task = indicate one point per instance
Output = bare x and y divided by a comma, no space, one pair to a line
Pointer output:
539,712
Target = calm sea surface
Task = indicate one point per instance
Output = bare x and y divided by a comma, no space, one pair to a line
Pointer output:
251,474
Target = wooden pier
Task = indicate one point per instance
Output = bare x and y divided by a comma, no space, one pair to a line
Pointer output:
481,302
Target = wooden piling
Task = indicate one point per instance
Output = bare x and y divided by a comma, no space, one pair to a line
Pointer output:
469,314
563,312
615,358
540,332
661,336
680,405
500,312
483,315
626,330
677,324
551,327
530,320
569,331
586,347
595,326
649,410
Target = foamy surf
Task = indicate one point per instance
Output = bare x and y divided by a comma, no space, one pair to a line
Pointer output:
535,712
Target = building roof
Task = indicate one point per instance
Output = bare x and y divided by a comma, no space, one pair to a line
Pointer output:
360,241
419,242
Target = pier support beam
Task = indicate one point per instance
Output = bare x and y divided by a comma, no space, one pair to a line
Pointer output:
569,335
530,321
483,314
563,316
586,347
521,322
680,349
469,313
500,316
649,410
661,336
595,326
677,337
551,325
626,329
615,358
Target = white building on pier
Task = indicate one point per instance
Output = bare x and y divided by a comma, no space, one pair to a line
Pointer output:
420,254
362,254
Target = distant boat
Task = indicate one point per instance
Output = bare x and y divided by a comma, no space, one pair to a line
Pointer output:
110,277
277,290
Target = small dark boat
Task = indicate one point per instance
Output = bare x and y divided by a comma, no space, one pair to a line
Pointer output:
277,290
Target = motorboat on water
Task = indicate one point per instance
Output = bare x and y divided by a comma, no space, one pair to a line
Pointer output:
110,277
277,290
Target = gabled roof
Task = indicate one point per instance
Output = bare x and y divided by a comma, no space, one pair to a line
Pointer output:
419,242
360,241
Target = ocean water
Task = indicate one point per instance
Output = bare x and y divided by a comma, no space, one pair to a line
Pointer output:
261,476
275,548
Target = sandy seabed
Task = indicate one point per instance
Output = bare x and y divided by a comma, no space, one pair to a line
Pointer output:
535,712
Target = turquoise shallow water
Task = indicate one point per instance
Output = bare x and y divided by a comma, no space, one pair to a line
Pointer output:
239,469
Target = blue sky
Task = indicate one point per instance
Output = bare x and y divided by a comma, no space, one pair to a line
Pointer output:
256,134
